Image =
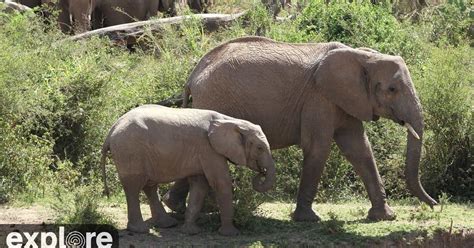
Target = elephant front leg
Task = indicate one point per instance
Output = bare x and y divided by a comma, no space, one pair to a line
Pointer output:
198,191
355,146
220,181
224,200
313,166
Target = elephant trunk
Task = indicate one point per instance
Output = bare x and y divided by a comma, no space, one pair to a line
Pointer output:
413,155
268,172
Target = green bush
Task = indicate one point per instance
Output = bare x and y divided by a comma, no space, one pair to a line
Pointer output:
446,88
80,207
448,24
363,25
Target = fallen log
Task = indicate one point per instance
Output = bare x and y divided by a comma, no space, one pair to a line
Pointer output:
12,6
211,22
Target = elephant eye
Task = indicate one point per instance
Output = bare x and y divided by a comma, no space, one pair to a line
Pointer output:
260,148
391,89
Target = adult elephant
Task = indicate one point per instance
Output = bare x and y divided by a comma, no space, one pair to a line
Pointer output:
310,95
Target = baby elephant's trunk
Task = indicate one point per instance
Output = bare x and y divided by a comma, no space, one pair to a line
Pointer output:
268,173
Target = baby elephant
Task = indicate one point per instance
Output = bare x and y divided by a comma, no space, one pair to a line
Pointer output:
153,144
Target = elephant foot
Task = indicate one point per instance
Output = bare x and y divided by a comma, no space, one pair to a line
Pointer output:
381,213
165,221
177,205
190,228
140,227
229,231
305,214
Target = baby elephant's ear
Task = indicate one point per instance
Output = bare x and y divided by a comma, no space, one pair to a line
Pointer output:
226,139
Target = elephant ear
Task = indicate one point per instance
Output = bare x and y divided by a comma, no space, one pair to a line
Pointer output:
226,139
343,80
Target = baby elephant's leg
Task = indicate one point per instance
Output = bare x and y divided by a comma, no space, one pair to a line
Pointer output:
132,186
158,214
198,191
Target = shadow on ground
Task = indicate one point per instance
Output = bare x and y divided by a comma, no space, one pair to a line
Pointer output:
269,232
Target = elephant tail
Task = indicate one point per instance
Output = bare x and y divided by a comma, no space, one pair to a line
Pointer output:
186,94
105,149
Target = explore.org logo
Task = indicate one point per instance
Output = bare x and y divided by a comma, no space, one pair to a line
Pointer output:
58,236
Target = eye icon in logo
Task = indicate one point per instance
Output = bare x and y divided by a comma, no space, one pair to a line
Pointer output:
75,239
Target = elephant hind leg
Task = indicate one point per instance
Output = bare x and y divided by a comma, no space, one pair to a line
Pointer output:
198,191
158,214
175,198
132,185
315,157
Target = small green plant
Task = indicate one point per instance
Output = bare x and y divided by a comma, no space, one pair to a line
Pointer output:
443,201
423,213
359,212
333,225
246,199
81,207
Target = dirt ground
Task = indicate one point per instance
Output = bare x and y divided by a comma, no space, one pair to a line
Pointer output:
38,214
282,232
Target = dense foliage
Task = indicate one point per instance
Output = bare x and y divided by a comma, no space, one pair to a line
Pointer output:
59,98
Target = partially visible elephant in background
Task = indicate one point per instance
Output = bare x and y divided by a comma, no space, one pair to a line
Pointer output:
199,6
153,144
82,15
168,7
310,95
33,3
274,6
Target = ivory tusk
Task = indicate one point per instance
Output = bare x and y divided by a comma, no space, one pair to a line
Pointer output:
411,130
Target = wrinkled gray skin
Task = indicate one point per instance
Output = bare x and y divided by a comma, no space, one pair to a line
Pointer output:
82,15
153,144
310,95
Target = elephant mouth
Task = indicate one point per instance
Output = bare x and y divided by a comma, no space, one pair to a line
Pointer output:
375,117
409,128
260,169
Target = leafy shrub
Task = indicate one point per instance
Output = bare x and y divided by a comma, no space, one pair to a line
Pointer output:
361,25
81,207
246,200
446,82
289,164
448,24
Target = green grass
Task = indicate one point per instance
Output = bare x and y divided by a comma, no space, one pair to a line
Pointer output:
342,224
347,223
